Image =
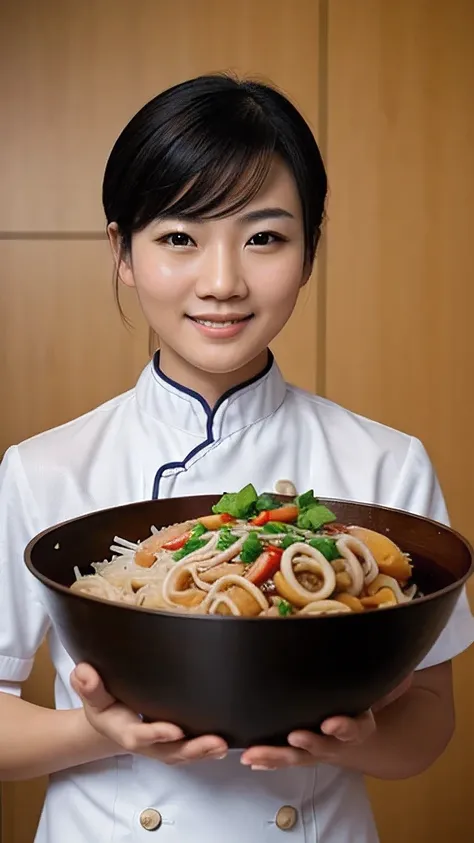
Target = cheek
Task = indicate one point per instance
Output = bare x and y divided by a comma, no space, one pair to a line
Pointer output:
281,281
161,277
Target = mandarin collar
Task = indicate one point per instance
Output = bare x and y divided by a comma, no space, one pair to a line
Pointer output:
181,408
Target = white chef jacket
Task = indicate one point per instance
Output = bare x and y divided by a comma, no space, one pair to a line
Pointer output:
161,439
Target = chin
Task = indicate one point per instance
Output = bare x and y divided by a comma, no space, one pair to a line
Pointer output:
220,363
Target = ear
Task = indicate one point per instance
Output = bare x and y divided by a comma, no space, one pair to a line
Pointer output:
122,258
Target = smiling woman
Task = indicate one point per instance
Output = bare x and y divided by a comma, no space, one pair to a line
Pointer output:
214,196
216,230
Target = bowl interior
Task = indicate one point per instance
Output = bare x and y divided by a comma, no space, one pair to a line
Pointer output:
440,555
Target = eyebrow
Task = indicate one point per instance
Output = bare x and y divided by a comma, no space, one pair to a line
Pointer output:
250,216
266,214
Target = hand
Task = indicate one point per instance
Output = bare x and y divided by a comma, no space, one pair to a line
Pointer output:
128,734
307,748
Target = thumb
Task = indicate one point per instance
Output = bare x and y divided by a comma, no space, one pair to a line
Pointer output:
89,686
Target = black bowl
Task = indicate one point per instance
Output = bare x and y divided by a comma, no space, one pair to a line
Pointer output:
250,680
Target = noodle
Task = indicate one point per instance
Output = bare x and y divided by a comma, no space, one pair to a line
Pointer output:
255,557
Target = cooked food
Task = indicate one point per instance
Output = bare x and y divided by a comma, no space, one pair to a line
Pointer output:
256,556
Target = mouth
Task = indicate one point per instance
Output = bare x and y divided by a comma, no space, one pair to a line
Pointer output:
208,321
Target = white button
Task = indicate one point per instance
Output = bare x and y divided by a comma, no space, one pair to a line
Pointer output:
286,818
150,819
285,487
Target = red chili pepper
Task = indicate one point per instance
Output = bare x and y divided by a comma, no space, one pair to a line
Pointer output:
267,564
178,543
261,519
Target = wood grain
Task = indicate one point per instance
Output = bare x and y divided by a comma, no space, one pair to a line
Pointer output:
400,295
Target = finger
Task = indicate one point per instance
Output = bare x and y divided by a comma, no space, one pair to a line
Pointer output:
89,686
127,729
207,746
275,758
350,729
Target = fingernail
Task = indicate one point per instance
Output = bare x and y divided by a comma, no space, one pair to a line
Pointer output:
218,753
258,767
220,756
163,738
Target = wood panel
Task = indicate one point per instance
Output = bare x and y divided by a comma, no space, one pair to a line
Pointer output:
63,347
72,74
399,291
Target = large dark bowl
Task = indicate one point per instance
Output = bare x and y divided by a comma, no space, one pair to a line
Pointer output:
250,680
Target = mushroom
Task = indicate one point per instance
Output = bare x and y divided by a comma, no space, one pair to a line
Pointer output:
285,487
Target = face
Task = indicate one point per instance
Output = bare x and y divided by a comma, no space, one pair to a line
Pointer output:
217,292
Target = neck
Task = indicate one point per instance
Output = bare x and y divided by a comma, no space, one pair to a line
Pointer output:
209,385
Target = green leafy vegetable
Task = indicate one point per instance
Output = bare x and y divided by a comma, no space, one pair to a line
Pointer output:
266,502
238,504
315,517
275,527
198,531
325,546
251,549
313,514
306,500
191,545
284,608
226,539
289,540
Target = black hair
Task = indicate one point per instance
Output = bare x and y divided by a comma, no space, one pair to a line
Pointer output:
203,149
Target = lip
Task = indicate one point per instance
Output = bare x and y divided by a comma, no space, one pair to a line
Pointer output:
221,317
226,331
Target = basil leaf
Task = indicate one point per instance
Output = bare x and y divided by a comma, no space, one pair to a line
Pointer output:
238,504
306,500
315,517
326,546
266,502
251,549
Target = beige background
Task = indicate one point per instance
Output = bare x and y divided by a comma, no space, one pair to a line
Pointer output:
385,326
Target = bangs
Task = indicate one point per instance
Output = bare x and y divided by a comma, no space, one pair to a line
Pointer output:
211,167
223,189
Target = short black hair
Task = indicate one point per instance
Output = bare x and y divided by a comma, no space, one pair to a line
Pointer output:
203,148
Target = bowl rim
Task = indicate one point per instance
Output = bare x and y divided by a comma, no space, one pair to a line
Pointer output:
62,589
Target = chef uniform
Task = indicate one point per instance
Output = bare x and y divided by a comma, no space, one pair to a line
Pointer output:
163,440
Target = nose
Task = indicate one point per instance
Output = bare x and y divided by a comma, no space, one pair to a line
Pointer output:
220,274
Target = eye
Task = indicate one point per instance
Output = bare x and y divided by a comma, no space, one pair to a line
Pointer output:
178,239
264,238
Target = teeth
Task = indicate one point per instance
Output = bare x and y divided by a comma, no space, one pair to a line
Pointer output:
208,324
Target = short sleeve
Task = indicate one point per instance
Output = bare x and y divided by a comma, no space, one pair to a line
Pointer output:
23,618
418,491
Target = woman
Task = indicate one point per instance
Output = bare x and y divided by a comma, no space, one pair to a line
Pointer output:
214,196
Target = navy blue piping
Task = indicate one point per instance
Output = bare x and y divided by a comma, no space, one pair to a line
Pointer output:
210,414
